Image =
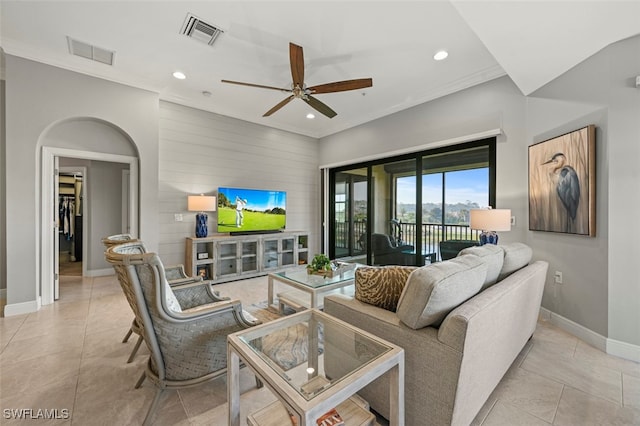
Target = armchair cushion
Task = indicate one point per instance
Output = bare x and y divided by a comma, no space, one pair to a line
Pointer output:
434,290
516,256
493,256
172,301
381,286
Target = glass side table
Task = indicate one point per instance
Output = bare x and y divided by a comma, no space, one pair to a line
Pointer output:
335,360
316,286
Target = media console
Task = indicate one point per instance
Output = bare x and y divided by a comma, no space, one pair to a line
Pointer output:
225,258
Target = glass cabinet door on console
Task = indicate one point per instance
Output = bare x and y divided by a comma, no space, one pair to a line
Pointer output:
249,256
287,249
227,258
270,253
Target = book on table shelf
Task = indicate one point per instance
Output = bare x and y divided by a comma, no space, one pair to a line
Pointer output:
330,418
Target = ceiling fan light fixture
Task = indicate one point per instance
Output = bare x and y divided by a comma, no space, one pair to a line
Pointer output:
440,55
300,90
179,75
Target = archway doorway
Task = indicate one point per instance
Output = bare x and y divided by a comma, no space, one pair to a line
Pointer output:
49,276
107,152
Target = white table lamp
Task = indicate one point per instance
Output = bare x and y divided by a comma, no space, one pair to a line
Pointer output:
489,221
201,204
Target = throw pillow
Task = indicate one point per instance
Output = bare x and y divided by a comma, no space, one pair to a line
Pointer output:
493,256
435,290
516,256
170,297
381,286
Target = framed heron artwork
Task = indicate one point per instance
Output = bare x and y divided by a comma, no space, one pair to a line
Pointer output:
562,183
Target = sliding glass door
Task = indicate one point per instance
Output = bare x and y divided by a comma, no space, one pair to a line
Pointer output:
383,214
350,213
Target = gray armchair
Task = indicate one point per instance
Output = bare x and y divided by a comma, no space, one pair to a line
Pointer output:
191,295
450,248
175,273
187,342
385,252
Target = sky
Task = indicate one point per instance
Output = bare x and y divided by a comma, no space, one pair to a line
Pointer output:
461,186
256,199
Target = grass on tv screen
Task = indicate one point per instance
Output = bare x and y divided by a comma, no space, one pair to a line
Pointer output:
251,210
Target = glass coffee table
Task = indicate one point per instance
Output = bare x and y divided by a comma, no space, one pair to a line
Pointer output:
323,365
308,290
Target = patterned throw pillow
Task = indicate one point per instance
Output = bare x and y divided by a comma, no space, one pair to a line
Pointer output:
381,285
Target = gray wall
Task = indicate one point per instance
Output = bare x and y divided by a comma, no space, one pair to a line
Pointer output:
104,207
601,290
3,198
200,151
603,270
38,97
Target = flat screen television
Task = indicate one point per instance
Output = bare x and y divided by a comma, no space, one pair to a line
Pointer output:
242,210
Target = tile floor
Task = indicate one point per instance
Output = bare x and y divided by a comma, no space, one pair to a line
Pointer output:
69,356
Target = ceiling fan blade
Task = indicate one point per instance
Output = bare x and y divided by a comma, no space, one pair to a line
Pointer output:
296,58
277,107
342,86
319,106
256,85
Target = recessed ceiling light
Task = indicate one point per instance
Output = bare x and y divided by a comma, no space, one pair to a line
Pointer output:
179,75
310,116
206,93
442,54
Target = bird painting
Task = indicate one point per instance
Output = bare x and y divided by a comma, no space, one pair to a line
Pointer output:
562,183
567,184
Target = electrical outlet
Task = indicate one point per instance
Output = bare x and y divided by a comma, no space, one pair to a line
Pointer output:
178,217
558,277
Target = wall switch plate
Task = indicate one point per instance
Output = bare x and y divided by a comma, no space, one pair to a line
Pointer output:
178,217
513,221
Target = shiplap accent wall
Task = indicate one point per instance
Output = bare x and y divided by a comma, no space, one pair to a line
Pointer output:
200,151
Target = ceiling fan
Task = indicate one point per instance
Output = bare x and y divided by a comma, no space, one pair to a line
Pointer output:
301,91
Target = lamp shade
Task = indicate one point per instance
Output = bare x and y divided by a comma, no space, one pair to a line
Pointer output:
201,203
490,219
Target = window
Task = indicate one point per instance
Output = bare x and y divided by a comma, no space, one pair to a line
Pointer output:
383,200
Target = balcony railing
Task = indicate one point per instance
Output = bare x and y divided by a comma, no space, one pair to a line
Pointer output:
432,234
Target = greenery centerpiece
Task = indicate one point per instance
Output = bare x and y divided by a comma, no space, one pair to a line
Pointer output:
321,265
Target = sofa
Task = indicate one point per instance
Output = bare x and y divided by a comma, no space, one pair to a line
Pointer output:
461,322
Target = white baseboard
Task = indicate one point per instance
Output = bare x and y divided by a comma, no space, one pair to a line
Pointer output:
609,346
100,272
623,350
21,308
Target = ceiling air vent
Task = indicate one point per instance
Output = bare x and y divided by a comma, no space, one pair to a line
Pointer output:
86,50
199,30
